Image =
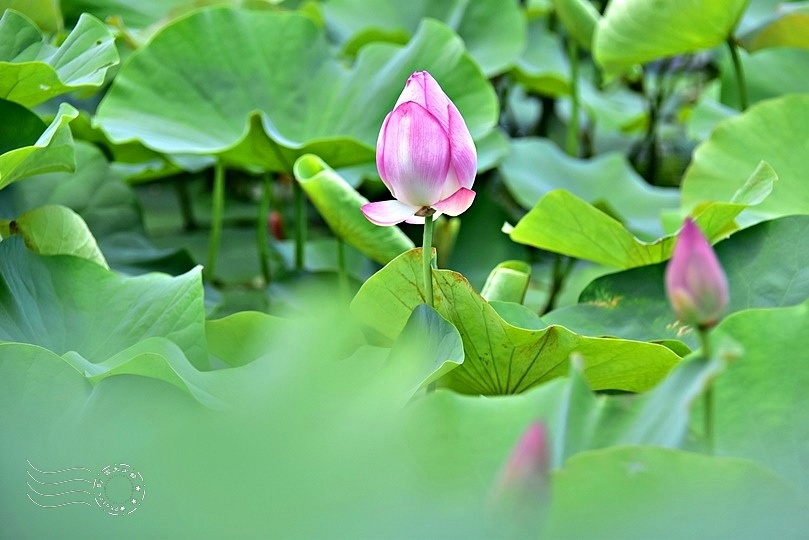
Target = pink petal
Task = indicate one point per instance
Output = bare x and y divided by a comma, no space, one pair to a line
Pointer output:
415,220
457,203
464,161
380,152
423,89
413,155
418,220
386,213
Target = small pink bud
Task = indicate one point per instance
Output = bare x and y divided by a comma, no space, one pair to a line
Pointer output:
695,282
425,156
529,464
520,500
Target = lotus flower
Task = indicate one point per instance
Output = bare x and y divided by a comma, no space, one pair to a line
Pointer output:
695,282
425,156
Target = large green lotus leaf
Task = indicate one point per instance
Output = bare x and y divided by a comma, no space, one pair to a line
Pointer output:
564,223
44,13
55,230
154,357
445,429
93,191
631,304
32,71
574,423
762,265
307,420
133,161
518,315
341,207
760,402
428,348
132,253
534,167
244,337
261,89
507,282
307,417
788,27
38,381
110,208
582,420
147,16
769,73
65,303
543,66
493,30
660,417
767,131
27,126
134,14
450,424
636,31
501,358
51,151
648,492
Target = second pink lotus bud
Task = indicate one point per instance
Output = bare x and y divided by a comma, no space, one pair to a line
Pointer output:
528,466
695,282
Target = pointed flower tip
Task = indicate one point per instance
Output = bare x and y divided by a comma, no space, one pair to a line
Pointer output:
424,81
421,76
696,285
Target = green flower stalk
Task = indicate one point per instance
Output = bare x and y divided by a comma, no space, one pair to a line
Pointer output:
427,159
698,292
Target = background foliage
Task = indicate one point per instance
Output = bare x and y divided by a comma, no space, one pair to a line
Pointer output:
187,283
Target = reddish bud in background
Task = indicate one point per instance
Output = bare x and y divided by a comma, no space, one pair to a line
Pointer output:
695,282
275,224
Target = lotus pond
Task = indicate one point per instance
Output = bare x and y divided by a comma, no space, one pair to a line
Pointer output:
381,269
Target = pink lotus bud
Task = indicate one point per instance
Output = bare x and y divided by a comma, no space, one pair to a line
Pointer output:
525,474
521,497
425,156
528,462
695,282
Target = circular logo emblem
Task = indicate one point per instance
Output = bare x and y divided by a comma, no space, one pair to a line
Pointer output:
119,489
